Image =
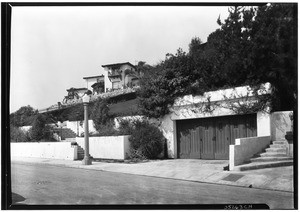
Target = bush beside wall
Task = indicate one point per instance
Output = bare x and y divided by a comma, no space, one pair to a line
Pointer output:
146,141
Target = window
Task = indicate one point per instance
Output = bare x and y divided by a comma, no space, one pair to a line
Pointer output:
116,85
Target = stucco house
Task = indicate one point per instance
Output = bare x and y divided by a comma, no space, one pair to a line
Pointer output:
74,93
95,83
119,75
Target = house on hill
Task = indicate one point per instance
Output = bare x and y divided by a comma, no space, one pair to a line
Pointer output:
74,93
95,83
119,76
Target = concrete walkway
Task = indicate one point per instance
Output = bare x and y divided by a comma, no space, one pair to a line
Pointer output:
208,171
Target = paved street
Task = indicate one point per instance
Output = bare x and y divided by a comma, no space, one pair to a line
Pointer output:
43,184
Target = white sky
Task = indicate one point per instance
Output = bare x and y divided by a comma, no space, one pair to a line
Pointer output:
53,48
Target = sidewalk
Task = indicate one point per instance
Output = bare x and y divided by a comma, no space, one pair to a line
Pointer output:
207,171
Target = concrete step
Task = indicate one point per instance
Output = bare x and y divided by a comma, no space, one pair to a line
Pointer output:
273,154
269,159
65,133
278,150
252,166
278,146
280,142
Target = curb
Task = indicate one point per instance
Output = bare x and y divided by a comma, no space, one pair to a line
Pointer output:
264,166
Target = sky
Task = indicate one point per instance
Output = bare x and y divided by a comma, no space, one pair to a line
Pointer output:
53,48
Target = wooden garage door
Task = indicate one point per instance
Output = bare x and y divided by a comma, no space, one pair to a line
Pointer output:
209,138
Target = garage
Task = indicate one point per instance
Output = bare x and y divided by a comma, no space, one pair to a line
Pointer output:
209,138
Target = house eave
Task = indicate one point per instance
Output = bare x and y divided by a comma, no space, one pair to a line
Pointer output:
100,76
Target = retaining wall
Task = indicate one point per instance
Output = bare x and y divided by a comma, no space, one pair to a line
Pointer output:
54,150
245,148
110,147
78,127
280,124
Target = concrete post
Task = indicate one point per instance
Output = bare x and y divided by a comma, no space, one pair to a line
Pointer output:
86,160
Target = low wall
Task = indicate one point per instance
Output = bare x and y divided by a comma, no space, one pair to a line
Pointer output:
110,147
245,148
54,150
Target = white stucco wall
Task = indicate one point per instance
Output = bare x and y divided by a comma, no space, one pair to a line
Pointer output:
220,95
79,129
110,147
246,148
263,124
90,82
107,82
54,150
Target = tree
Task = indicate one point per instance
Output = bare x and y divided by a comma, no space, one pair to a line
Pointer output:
98,87
252,46
258,45
142,67
18,135
100,114
195,46
274,38
166,81
23,116
39,128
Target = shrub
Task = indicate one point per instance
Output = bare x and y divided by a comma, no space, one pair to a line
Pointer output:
23,116
100,114
126,127
18,135
40,130
146,140
106,130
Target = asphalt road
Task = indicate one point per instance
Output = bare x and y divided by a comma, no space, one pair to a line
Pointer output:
46,185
